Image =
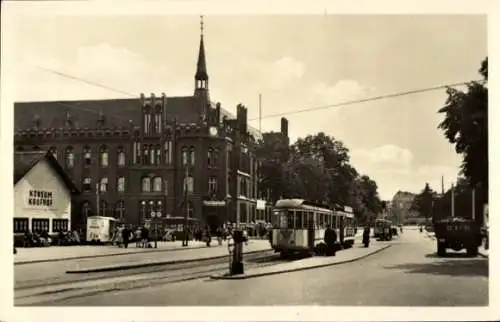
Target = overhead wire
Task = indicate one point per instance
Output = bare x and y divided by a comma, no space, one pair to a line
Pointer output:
293,112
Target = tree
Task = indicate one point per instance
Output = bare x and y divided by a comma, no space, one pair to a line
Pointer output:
273,152
315,168
466,126
424,202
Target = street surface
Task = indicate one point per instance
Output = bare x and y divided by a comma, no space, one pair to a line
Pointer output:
406,274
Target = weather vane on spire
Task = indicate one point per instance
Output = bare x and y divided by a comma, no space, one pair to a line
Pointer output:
201,24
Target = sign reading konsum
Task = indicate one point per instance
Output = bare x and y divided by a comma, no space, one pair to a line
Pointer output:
41,198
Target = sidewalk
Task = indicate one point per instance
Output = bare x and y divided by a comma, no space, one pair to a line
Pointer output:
194,254
59,253
345,256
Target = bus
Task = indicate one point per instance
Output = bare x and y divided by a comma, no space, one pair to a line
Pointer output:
382,229
299,226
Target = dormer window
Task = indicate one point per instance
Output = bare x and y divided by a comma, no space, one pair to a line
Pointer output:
101,119
68,119
36,121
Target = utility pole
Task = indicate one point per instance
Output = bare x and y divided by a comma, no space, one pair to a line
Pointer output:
185,242
237,264
260,113
452,201
474,204
98,206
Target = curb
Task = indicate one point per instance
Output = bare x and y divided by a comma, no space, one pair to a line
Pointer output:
152,264
104,255
241,277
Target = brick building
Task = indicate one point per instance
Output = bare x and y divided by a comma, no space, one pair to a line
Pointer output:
132,157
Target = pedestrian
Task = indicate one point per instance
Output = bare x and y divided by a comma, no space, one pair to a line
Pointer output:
366,236
208,238
330,241
145,237
218,233
125,236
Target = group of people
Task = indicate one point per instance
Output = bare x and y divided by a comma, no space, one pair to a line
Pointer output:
124,235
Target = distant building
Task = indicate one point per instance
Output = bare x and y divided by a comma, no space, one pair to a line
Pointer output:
401,204
42,194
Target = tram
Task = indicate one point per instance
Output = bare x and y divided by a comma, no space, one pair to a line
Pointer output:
299,225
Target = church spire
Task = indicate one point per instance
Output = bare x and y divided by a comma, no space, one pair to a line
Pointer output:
201,76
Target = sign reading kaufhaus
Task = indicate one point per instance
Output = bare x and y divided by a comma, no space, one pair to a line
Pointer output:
40,198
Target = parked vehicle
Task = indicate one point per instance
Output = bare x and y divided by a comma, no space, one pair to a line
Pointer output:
457,233
382,229
100,229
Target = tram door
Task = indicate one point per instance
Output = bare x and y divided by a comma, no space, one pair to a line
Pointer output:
310,229
341,229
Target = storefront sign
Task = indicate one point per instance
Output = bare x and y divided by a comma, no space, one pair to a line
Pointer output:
40,198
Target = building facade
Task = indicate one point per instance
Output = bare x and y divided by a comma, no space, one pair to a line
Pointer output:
134,158
401,206
42,194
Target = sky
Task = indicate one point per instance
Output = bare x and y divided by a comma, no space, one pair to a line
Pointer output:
295,62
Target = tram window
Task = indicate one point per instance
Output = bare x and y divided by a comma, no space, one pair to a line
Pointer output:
299,223
276,219
321,220
290,214
328,220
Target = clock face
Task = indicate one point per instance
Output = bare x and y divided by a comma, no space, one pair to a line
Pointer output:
213,131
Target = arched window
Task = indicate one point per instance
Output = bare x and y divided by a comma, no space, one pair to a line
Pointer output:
210,157
136,153
70,157
157,184
87,156
147,119
152,155
103,156
158,119
189,183
146,184
192,155
158,155
103,208
185,159
120,209
120,184
145,154
121,157
87,184
103,185
53,151
212,185
167,152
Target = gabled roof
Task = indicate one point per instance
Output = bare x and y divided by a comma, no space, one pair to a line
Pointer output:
26,160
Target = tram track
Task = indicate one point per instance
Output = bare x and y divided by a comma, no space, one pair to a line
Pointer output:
37,294
74,278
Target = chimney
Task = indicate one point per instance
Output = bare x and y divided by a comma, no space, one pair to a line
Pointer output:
284,126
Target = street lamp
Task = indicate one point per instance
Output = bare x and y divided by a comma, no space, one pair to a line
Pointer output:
143,210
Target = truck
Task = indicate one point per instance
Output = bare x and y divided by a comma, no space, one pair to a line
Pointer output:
457,233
